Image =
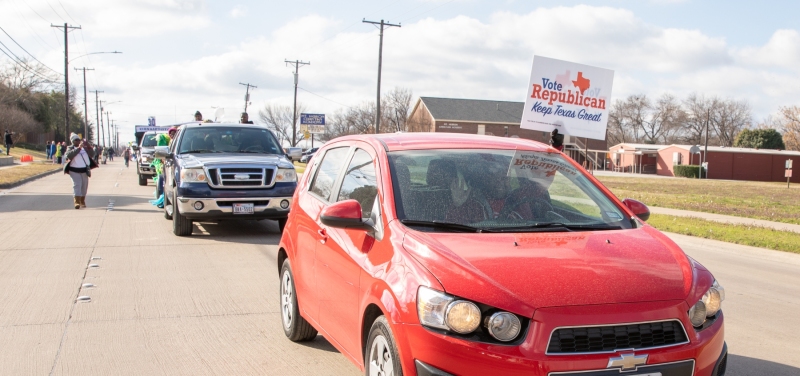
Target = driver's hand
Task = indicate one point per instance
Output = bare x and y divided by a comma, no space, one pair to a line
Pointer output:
459,189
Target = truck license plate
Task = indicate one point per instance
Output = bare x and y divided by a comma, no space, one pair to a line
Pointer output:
243,209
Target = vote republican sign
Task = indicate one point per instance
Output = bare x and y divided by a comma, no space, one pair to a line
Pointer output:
571,97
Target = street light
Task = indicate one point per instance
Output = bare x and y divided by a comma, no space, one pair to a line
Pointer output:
96,53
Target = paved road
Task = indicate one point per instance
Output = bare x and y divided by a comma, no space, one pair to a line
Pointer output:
208,305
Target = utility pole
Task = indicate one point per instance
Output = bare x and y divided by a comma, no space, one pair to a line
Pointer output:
247,94
108,123
380,63
705,152
66,76
297,65
85,105
97,111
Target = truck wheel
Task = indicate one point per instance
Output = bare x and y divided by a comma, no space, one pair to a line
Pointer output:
181,226
142,180
295,327
282,224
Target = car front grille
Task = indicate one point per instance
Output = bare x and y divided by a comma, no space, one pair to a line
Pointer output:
241,177
598,339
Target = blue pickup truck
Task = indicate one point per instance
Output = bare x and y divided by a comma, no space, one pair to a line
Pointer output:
219,171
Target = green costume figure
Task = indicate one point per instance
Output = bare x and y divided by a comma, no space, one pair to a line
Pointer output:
161,140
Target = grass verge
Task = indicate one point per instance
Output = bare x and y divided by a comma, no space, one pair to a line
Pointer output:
13,175
760,200
17,152
726,232
300,167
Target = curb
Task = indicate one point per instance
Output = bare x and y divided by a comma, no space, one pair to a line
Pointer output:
27,180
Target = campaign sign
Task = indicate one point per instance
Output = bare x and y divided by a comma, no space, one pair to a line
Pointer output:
571,97
539,167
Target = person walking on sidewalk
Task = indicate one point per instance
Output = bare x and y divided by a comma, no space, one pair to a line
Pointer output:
79,167
126,155
111,154
47,149
59,153
9,142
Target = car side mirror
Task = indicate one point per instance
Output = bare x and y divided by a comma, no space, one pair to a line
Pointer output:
344,214
637,208
162,152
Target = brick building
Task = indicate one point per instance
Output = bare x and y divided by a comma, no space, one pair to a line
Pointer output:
732,163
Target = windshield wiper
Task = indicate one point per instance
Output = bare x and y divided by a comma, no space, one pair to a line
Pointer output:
201,151
558,226
444,225
253,152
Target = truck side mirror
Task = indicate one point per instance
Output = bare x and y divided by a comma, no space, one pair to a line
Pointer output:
162,152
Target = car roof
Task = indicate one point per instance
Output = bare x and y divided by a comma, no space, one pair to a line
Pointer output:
422,141
202,124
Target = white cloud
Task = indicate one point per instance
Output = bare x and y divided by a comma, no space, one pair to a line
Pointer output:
238,11
455,57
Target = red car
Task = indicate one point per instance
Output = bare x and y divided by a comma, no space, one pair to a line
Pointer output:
437,254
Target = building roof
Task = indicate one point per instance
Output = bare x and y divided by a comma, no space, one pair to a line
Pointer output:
474,110
723,149
638,146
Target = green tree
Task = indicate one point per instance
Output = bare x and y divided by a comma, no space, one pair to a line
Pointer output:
759,139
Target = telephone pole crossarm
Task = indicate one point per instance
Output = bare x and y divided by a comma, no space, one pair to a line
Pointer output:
297,64
383,25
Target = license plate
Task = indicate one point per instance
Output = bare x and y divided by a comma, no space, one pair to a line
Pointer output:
243,209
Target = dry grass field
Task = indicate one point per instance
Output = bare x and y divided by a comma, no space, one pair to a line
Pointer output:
768,201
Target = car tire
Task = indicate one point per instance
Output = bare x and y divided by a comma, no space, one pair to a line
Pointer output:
167,204
282,224
142,179
181,226
381,356
296,328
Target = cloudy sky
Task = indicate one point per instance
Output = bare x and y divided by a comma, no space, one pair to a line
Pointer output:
180,56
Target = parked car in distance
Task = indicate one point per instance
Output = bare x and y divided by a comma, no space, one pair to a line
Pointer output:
453,254
225,171
307,157
144,157
294,154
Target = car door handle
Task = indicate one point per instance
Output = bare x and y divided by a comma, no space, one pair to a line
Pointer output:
323,235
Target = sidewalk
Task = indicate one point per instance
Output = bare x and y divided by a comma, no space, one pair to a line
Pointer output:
727,219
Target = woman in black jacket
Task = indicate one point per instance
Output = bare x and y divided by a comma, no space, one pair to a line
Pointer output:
79,157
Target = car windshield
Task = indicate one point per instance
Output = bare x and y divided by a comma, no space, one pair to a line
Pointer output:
149,140
498,190
211,139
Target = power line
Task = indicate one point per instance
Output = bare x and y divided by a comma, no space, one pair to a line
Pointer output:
327,99
17,61
26,51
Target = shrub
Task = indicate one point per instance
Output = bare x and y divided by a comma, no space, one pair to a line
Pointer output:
687,171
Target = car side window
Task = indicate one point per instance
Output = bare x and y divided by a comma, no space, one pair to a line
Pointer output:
328,169
360,183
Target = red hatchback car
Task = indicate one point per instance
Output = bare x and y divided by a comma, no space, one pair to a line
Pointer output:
437,254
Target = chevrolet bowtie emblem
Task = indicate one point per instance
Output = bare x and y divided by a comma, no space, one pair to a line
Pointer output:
627,362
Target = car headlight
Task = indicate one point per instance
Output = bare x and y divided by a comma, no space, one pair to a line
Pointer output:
286,175
708,306
145,158
442,311
193,175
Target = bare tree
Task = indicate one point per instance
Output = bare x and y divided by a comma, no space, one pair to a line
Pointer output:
395,106
27,75
663,120
17,120
789,119
281,120
698,110
728,118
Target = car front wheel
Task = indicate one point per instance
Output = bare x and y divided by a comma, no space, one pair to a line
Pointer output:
382,357
295,327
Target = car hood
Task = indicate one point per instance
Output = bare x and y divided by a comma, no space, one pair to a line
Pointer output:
524,271
215,159
147,150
